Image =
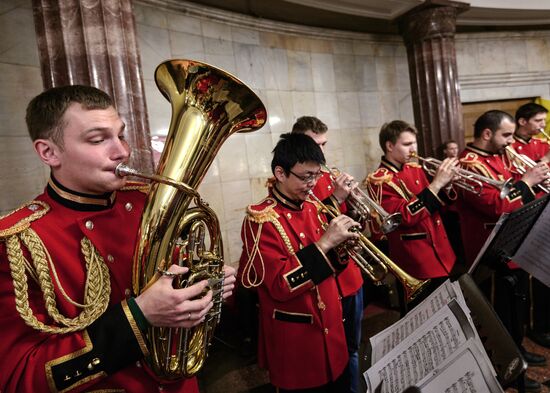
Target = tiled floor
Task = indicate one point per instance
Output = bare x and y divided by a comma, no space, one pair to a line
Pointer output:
231,367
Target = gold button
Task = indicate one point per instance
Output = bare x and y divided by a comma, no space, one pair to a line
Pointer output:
289,216
89,225
326,330
110,258
318,230
129,206
127,292
417,181
33,207
138,364
329,187
438,222
302,235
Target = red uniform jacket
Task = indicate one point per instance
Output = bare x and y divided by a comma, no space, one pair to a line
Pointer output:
533,148
479,213
102,356
301,335
419,245
350,279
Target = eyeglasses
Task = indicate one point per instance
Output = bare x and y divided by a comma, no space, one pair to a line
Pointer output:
309,178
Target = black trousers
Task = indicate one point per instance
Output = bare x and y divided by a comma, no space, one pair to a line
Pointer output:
540,303
511,290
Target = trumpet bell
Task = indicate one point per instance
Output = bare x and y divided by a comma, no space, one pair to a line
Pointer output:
391,222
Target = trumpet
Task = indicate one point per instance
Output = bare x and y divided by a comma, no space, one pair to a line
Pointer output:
521,162
368,207
467,180
543,132
412,286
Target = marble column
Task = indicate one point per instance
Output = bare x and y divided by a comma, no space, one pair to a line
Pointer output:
93,42
428,32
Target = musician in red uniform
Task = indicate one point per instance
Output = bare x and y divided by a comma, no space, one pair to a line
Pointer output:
350,281
493,131
290,259
530,119
419,245
69,320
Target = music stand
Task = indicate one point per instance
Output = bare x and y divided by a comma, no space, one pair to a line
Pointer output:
505,239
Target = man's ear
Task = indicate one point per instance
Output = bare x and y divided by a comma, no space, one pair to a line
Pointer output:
279,173
48,152
522,121
486,134
389,146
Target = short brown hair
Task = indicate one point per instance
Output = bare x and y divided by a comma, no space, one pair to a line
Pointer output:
45,111
306,123
390,132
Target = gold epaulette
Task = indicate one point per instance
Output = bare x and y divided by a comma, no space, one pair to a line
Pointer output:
379,177
21,218
136,186
471,161
263,211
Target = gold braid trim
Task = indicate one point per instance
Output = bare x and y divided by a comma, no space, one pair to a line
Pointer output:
476,166
96,293
253,279
141,187
25,222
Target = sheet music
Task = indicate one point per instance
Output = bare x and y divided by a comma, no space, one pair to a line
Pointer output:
534,253
421,353
390,337
463,372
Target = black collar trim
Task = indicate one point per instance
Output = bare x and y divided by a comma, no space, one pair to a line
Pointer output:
392,167
77,200
281,198
521,140
480,151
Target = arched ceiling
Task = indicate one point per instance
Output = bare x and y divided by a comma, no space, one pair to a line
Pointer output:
378,16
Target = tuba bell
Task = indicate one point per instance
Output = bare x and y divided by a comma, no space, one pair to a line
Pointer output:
208,105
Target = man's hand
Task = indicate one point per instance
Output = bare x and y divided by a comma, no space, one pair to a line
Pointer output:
444,174
229,280
343,184
538,174
337,232
165,306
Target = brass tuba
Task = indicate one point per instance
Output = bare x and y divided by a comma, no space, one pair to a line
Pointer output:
208,105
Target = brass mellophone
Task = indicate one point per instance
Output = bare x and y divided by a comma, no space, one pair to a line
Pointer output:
412,286
467,180
521,162
367,207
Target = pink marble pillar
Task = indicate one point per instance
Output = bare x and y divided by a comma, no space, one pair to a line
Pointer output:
428,32
93,42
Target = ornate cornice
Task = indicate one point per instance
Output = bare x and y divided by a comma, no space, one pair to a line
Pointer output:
260,24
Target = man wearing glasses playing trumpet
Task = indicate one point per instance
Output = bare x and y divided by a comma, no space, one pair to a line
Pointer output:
419,245
337,187
289,256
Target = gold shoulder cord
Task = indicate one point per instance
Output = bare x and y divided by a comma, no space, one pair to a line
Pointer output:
249,268
96,293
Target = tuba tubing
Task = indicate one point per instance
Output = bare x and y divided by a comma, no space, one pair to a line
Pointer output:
208,105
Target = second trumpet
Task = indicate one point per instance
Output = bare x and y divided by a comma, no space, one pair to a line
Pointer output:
467,180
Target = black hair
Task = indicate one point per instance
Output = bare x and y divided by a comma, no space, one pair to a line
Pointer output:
491,120
529,110
295,148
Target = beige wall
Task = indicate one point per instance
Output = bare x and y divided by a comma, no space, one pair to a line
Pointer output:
21,173
354,82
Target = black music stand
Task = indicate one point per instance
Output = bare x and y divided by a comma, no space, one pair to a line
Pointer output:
508,235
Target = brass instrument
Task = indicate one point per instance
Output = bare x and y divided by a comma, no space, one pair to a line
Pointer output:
521,162
367,207
208,105
412,286
467,180
543,132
